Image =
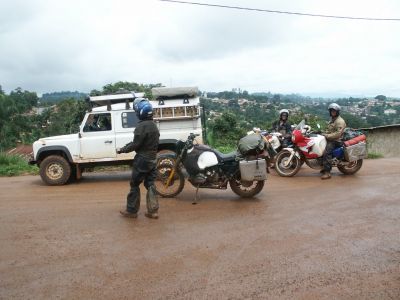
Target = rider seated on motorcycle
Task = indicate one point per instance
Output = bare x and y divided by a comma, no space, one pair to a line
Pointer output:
283,126
333,135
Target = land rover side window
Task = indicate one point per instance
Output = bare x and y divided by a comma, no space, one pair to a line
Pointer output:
98,122
129,120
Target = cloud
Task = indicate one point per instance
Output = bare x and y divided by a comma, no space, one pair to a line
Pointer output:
207,33
81,45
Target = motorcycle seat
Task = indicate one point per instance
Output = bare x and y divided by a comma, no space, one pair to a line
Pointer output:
226,157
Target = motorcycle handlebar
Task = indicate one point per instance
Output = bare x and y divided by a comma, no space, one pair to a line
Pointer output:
192,136
190,139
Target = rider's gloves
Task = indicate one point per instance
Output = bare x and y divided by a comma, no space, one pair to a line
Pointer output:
127,148
121,150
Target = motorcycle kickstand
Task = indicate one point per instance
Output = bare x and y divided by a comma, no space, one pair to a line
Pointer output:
196,196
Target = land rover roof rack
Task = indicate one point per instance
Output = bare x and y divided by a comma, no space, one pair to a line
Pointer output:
112,99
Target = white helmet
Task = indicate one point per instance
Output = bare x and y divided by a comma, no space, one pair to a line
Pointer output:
334,106
282,111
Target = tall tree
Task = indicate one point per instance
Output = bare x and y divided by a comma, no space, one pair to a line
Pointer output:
125,86
24,100
381,97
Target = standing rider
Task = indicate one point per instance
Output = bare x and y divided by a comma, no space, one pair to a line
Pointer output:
145,143
283,127
333,135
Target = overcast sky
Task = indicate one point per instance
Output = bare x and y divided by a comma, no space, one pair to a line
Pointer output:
82,45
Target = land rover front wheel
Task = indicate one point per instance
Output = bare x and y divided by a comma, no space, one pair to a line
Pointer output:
55,170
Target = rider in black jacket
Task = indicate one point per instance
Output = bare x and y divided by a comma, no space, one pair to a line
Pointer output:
145,144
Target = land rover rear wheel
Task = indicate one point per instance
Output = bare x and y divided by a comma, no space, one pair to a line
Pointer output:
55,170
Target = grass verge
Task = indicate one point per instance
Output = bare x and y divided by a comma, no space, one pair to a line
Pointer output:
13,165
226,149
372,155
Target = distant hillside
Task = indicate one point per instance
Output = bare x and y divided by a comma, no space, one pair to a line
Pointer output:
59,96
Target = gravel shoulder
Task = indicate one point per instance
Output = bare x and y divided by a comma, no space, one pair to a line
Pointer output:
301,238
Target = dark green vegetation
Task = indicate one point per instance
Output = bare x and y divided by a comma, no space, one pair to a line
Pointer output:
24,117
52,98
231,114
12,165
20,121
372,155
122,86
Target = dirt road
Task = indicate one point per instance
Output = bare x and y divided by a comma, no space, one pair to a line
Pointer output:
301,238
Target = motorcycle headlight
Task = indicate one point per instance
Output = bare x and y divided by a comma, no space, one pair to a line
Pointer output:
293,138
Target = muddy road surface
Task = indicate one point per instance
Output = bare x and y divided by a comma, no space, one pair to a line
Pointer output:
301,238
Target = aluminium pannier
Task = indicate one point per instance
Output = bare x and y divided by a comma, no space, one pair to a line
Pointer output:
355,152
251,170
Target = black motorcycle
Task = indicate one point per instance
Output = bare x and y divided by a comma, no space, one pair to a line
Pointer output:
205,168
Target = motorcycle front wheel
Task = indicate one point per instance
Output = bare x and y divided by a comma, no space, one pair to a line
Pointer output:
285,169
246,189
176,184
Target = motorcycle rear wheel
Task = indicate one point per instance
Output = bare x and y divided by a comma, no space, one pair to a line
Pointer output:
175,186
352,168
291,169
246,189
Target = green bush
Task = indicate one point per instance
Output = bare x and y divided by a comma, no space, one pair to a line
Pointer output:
13,165
372,155
226,149
225,132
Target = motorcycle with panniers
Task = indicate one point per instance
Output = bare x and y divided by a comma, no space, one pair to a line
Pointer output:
205,167
309,147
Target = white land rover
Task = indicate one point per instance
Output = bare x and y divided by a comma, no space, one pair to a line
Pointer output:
110,126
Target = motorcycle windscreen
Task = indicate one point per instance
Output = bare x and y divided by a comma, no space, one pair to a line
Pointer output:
207,159
300,126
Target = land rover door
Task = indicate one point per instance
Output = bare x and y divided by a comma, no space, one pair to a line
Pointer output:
125,123
97,136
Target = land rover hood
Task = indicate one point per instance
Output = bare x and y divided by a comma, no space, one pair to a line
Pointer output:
59,137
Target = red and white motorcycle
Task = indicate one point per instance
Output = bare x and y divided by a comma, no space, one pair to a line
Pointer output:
309,147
